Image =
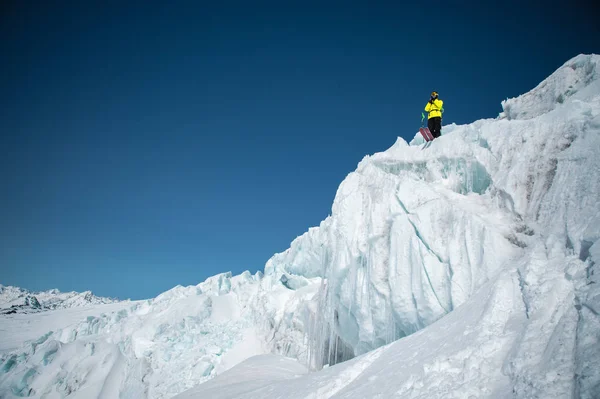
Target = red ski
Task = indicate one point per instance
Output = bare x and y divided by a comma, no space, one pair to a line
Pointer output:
426,133
429,134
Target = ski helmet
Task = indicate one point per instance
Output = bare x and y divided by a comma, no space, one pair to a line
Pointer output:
434,94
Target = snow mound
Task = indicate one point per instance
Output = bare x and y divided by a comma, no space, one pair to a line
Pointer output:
254,375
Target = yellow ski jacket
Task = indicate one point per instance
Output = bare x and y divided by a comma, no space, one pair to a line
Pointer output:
435,108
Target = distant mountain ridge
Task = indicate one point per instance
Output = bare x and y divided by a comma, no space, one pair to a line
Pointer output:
19,300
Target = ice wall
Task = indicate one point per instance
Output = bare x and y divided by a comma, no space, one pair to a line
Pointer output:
416,230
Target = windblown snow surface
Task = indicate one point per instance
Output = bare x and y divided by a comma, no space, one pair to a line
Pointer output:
464,268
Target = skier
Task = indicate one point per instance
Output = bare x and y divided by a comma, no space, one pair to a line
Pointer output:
434,120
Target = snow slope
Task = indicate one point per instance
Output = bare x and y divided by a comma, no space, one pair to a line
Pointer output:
460,356
464,268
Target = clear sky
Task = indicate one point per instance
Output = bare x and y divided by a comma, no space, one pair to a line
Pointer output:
145,144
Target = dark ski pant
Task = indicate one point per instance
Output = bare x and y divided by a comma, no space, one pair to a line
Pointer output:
435,126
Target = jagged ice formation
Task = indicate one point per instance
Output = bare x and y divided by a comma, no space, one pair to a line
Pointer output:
474,257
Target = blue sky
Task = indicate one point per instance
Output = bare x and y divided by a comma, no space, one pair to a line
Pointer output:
149,145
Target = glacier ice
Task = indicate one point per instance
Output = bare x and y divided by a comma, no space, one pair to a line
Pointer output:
464,268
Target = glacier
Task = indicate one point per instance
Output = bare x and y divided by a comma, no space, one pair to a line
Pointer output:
462,268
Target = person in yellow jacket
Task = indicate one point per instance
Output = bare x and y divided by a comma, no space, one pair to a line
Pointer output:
434,120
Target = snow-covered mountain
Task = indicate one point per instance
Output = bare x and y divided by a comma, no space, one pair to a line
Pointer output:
18,300
462,268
